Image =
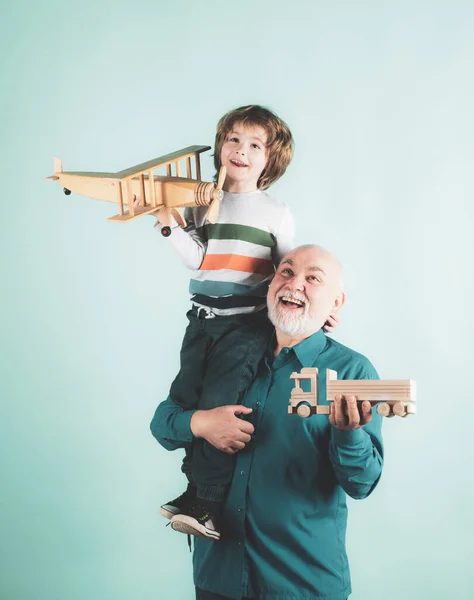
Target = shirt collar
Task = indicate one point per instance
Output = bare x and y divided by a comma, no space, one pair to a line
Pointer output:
306,351
309,349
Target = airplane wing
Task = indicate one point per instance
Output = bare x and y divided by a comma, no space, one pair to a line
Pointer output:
167,159
155,163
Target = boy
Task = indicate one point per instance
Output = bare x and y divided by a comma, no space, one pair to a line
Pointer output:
233,261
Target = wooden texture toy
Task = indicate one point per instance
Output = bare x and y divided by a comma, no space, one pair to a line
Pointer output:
170,191
394,397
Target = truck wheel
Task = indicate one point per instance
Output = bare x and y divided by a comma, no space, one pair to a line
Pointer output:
304,410
384,409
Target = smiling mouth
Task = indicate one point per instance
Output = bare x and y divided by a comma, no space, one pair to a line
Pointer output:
292,303
238,163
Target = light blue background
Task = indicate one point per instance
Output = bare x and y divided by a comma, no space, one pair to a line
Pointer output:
379,96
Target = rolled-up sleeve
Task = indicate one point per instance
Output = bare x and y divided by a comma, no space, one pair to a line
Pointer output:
357,456
171,425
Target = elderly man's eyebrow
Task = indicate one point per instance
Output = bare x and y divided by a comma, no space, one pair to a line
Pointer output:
317,269
288,261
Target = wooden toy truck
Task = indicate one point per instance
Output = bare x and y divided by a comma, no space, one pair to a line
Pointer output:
170,191
394,397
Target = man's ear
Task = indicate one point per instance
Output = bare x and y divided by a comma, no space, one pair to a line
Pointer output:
338,302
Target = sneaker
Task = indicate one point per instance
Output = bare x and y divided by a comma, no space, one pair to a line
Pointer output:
197,521
180,504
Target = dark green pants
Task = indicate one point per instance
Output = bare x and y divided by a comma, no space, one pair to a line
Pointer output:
219,360
203,595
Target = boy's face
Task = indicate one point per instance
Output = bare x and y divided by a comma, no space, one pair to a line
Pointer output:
244,156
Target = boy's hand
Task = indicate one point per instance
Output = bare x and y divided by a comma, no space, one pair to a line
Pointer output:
156,214
331,323
137,203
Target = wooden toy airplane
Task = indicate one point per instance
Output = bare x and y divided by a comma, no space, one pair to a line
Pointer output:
171,191
395,397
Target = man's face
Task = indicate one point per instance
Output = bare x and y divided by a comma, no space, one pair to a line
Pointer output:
244,154
306,289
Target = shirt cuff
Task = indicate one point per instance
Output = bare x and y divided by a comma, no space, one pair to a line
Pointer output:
354,437
182,425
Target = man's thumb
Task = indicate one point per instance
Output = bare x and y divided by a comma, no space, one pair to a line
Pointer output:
242,410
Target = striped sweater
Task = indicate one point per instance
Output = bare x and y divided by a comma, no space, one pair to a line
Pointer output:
233,260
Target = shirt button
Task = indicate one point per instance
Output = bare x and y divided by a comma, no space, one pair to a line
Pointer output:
242,472
239,543
257,404
239,508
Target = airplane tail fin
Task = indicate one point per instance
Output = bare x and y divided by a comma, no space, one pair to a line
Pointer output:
58,168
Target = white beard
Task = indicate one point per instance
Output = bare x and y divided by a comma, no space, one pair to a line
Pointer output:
289,323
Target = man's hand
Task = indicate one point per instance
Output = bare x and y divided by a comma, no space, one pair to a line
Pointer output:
349,414
331,323
222,428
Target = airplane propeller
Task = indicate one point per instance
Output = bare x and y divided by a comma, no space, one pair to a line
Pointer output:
217,195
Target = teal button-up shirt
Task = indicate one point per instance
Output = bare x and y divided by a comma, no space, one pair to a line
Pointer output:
284,520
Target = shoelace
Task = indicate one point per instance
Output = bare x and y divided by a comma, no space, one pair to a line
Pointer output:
189,538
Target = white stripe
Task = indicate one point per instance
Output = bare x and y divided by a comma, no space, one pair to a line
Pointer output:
228,275
238,247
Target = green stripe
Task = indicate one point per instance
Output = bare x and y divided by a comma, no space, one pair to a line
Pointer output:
226,288
228,231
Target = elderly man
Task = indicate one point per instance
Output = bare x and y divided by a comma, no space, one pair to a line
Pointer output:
284,521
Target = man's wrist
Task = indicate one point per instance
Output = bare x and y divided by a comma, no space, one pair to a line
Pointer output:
195,423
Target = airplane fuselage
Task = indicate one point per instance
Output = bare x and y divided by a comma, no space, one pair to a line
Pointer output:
172,192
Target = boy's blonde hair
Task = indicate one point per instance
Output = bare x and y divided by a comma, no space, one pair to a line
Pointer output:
279,147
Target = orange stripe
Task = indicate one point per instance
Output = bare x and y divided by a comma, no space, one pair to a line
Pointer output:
237,262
